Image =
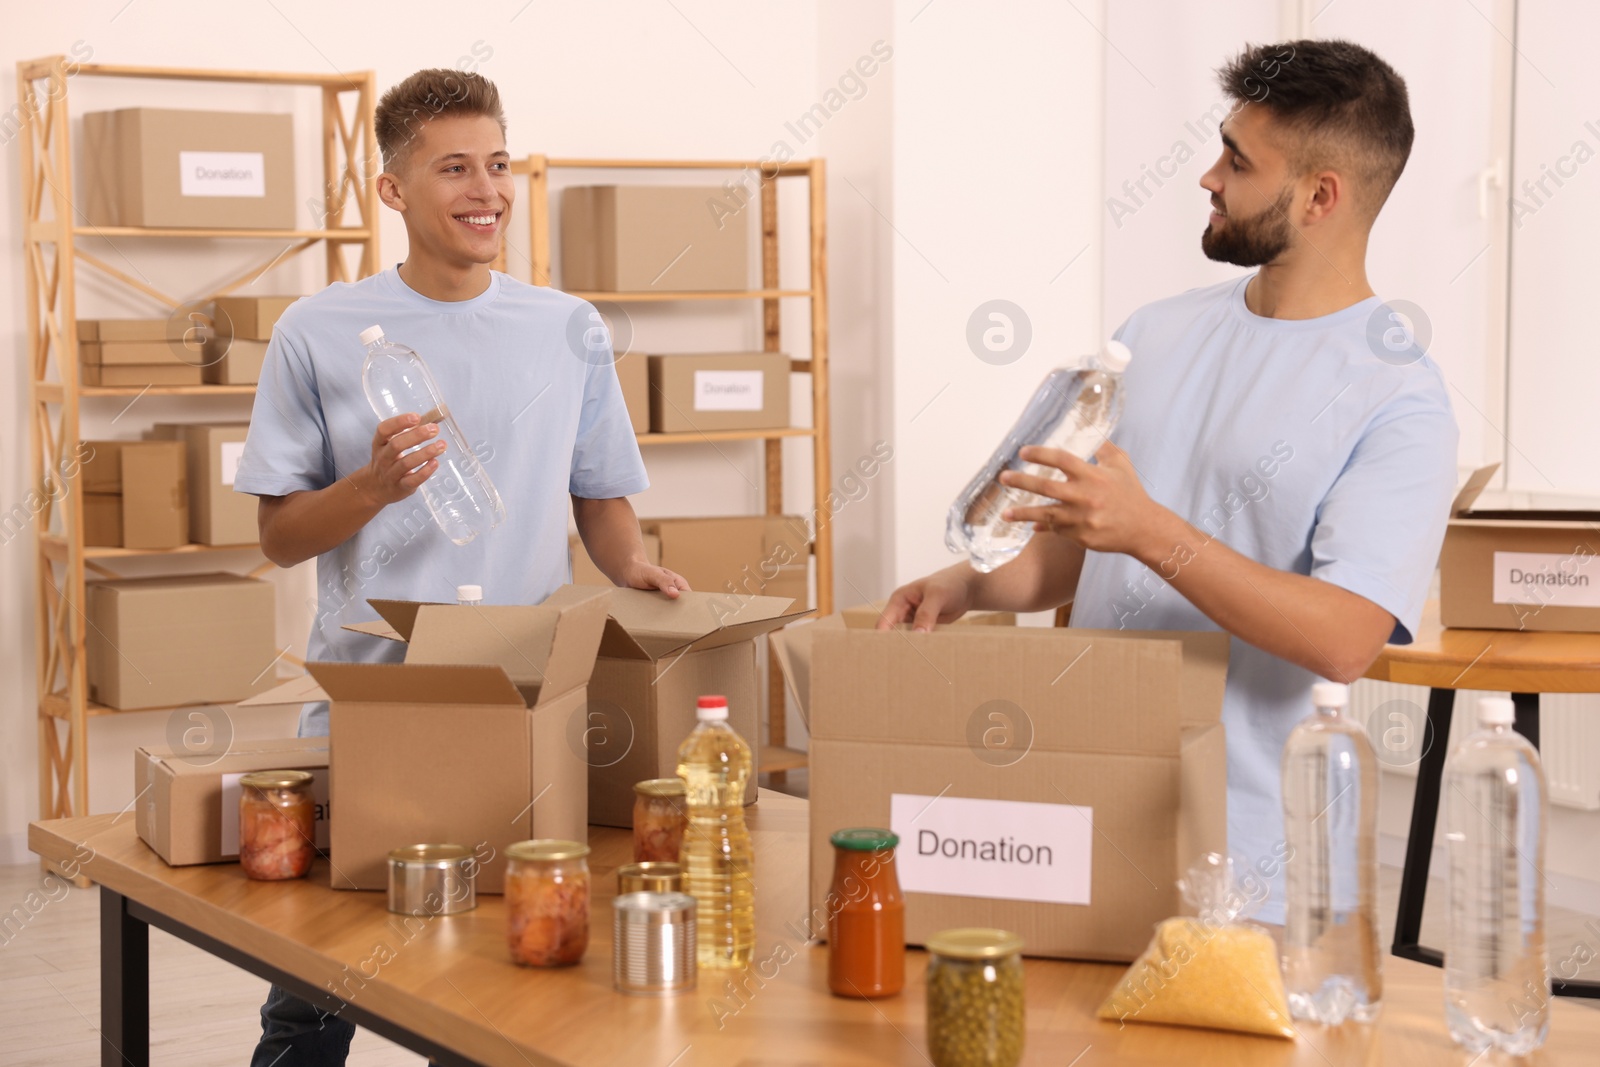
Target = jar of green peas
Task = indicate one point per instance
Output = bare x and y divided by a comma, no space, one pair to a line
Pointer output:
975,1005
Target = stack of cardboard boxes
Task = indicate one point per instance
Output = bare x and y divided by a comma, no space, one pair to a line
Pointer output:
237,345
140,352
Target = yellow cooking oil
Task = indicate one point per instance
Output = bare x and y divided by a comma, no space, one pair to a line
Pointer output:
714,763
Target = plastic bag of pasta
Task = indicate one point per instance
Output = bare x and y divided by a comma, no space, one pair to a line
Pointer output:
1212,970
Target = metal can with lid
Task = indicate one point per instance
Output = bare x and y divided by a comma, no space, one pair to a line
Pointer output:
660,816
649,878
547,902
975,1002
653,943
277,825
427,880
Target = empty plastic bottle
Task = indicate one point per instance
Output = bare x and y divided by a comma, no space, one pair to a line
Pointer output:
1074,408
714,763
459,494
1332,965
1496,974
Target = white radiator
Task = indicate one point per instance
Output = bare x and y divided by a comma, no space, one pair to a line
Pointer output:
1569,734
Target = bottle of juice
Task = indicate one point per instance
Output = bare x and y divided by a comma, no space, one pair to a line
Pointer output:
714,763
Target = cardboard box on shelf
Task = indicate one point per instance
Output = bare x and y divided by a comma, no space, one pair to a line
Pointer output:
179,639
187,803
719,391
236,362
168,168
584,571
644,238
217,515
478,738
1511,569
1054,782
138,330
150,482
742,555
248,317
656,658
141,375
866,616
102,520
139,354
633,373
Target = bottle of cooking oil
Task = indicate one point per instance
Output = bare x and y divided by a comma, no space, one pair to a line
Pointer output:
714,763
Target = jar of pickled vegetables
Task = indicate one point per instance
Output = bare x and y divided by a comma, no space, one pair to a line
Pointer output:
659,818
547,902
277,825
866,915
975,1008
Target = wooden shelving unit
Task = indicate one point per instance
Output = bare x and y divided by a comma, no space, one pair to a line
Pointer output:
53,231
775,755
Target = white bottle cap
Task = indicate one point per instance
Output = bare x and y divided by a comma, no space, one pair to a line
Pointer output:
371,334
1115,356
1496,711
1330,695
473,593
712,709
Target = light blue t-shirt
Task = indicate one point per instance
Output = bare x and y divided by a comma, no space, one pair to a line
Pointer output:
1296,445
546,422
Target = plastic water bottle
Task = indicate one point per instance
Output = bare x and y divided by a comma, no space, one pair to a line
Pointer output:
469,596
1074,408
1332,965
1496,974
714,763
459,494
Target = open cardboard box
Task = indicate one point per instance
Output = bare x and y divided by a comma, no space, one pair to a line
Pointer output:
1507,569
477,739
1054,782
656,657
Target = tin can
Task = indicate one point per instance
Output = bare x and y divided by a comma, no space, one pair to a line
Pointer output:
653,943
649,878
432,880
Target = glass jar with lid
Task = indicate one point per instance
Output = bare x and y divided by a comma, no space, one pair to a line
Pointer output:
866,915
660,816
975,1002
547,902
277,825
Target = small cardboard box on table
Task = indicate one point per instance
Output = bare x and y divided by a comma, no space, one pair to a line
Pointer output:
656,658
470,741
1054,782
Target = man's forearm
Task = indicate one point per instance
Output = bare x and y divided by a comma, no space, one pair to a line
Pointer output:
1315,624
299,526
1044,575
610,533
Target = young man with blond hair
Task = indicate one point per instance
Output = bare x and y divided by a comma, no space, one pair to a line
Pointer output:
543,414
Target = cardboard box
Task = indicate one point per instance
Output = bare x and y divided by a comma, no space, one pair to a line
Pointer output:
1053,782
866,616
478,738
719,391
104,354
151,481
179,639
644,238
141,375
158,167
745,555
633,373
186,805
1511,569
248,317
217,515
102,520
237,362
656,658
138,330
584,571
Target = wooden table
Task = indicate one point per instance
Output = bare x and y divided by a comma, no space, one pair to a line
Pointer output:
446,987
1522,663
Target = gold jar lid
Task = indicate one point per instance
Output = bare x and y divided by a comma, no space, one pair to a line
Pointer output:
430,855
655,876
661,787
275,779
547,849
974,943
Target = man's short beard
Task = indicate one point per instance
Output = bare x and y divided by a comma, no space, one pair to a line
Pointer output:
1250,242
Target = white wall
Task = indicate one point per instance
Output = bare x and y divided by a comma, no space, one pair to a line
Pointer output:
698,79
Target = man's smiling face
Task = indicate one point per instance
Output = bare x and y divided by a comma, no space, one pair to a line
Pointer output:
455,181
1251,193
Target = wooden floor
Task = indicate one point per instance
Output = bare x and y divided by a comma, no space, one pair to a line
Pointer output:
204,1012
